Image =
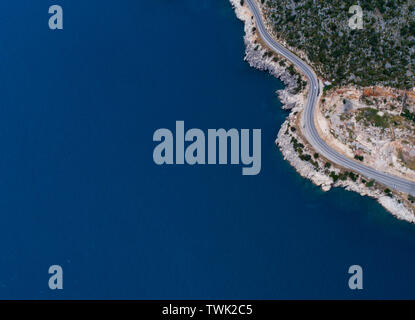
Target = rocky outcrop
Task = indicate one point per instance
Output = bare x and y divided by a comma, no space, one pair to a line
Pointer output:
259,57
321,175
290,141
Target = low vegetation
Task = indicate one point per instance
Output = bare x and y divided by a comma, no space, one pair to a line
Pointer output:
382,53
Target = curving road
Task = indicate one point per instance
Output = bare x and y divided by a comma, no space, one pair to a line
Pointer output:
309,129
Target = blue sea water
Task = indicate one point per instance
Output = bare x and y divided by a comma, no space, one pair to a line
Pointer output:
79,188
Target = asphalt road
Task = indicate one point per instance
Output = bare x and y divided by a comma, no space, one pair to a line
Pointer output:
309,129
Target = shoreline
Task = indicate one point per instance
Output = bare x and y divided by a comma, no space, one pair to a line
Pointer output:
295,149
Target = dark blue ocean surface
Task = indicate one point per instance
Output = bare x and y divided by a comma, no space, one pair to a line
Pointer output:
79,188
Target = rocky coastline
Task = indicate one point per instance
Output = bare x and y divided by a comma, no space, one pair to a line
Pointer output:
290,141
